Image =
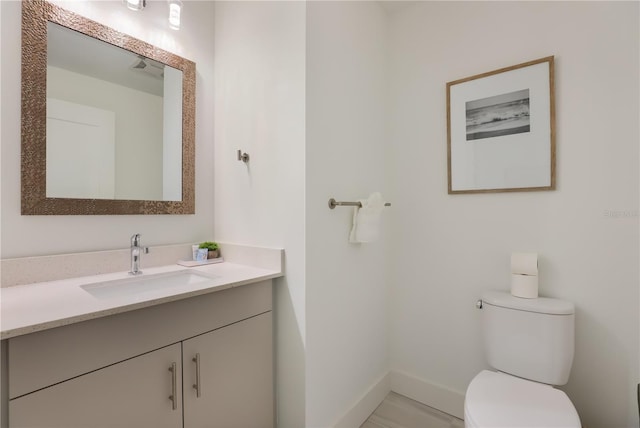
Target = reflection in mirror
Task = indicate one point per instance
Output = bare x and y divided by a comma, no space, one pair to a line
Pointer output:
110,121
107,120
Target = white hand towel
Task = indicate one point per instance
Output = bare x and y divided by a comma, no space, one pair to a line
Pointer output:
366,220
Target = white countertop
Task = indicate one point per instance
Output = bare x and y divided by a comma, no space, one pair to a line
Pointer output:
35,307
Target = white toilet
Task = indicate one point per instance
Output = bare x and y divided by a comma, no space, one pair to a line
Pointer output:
530,342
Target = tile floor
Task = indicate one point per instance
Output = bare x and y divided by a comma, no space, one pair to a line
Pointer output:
397,411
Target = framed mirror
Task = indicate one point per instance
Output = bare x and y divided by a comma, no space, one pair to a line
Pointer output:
108,121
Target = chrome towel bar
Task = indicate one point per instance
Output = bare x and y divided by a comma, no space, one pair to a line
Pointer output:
333,203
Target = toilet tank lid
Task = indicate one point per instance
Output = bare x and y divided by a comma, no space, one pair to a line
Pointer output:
541,305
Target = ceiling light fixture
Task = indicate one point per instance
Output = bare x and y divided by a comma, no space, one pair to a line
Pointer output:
175,8
135,4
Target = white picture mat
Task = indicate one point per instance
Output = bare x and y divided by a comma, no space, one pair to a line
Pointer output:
504,162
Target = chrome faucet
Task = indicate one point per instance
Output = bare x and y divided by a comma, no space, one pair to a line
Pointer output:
136,252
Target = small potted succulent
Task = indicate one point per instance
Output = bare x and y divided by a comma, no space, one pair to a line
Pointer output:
213,248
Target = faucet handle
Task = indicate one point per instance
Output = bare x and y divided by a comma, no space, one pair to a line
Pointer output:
145,250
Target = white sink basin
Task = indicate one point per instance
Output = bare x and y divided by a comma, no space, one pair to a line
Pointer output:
145,284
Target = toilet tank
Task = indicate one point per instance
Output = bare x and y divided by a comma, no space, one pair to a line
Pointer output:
529,338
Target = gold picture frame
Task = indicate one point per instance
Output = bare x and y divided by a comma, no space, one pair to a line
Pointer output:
501,130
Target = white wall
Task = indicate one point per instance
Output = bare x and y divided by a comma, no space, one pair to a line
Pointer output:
447,249
346,294
326,360
172,135
138,136
260,109
65,234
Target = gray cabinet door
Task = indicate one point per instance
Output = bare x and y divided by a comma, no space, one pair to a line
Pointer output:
133,393
235,379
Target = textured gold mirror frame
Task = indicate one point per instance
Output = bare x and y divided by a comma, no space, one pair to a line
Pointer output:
35,15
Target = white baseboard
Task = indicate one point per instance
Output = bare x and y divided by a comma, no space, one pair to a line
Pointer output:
364,407
431,394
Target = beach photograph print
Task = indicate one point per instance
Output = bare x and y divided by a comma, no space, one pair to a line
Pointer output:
496,116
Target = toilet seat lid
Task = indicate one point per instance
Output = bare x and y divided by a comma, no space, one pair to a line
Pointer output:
499,400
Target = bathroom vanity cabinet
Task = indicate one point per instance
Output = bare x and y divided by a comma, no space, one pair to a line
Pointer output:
205,361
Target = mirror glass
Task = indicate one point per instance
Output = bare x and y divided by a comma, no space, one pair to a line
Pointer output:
114,121
108,121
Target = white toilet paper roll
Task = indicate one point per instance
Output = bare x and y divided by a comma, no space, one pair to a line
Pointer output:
524,263
525,286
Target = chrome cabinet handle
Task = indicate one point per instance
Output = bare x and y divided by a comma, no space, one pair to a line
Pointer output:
196,385
172,397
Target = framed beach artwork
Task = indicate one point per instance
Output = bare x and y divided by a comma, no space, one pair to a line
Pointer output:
501,130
